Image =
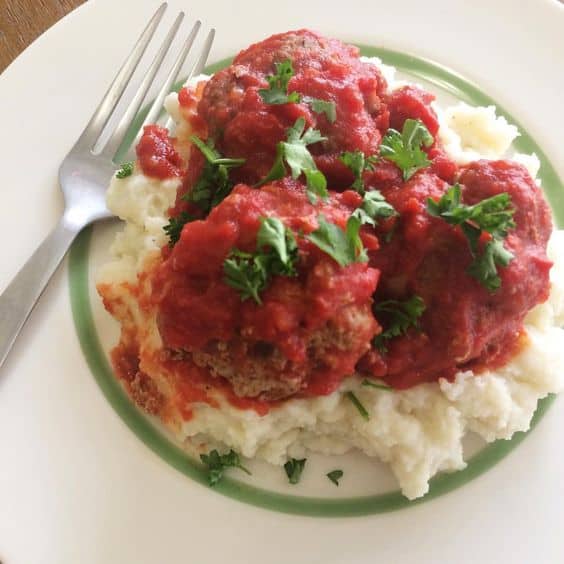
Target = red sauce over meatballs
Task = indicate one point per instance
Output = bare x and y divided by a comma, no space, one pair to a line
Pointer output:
313,329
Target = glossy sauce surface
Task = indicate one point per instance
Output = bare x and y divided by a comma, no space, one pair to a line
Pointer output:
464,325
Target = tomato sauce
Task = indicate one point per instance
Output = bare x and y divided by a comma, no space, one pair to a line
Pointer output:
464,323
156,154
197,307
243,125
316,328
412,102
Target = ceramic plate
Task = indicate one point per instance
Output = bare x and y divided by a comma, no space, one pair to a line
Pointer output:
83,485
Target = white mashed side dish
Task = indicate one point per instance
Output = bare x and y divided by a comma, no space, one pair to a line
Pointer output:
417,431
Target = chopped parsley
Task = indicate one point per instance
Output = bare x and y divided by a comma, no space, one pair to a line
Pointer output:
213,186
174,227
210,189
400,316
374,207
356,402
294,469
405,148
492,215
247,273
277,91
357,162
294,153
484,266
277,254
217,463
335,476
377,385
345,247
125,170
274,234
319,106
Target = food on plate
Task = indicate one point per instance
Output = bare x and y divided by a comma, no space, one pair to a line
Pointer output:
319,258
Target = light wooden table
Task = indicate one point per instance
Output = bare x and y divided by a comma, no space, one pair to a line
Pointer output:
22,21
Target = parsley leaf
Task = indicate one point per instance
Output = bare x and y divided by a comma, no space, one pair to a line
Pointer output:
404,149
284,250
278,169
277,91
356,402
345,247
401,316
217,463
373,208
294,469
249,273
335,476
125,170
493,215
294,153
316,186
174,227
484,266
210,189
213,186
319,106
212,156
356,162
377,385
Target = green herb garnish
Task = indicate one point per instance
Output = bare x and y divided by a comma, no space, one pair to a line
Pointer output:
277,254
335,476
356,402
125,170
213,186
294,153
277,91
294,469
404,149
174,227
355,161
319,106
217,463
484,266
401,316
345,247
210,189
373,208
493,215
274,234
377,385
358,162
247,273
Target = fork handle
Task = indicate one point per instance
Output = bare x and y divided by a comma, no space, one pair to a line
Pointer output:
21,295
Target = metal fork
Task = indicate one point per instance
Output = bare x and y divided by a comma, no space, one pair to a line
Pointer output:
84,174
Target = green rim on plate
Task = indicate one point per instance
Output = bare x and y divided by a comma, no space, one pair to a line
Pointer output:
441,78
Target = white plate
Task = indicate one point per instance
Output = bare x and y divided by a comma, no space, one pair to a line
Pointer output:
75,484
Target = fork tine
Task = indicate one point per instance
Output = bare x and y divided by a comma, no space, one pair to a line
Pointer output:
197,68
111,98
201,62
116,138
158,103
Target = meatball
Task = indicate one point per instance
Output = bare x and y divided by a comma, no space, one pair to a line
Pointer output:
309,331
411,102
243,125
430,258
